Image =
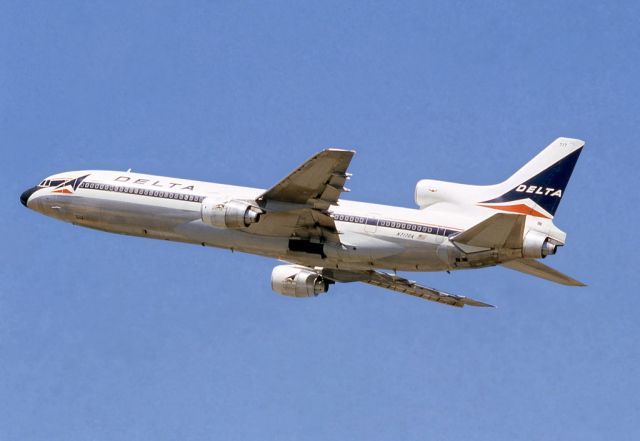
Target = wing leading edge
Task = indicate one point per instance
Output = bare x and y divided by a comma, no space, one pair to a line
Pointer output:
317,183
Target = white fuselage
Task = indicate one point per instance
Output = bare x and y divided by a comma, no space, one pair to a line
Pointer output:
372,235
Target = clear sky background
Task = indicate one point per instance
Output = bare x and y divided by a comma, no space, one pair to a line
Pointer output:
106,337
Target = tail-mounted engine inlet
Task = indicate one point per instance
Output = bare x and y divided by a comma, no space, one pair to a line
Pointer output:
537,245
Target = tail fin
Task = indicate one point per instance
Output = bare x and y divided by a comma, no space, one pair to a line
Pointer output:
538,187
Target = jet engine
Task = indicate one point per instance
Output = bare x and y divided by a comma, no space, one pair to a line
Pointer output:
537,244
233,213
298,281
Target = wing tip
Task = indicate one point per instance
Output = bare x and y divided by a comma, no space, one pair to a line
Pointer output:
477,303
569,281
337,150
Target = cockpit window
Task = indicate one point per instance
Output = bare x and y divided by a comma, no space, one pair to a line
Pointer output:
52,182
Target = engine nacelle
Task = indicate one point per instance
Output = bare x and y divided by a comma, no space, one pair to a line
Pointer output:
297,281
537,244
221,213
429,192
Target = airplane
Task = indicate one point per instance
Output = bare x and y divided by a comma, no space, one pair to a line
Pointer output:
324,239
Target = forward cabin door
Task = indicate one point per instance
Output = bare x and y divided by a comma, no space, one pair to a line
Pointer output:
372,223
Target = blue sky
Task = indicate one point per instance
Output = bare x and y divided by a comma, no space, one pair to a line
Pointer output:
106,337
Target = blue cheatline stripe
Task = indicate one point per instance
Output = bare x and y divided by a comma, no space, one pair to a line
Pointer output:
162,194
395,224
340,217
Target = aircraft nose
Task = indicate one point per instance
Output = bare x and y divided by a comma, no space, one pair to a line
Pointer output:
24,197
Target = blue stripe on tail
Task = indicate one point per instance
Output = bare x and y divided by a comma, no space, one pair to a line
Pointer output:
547,187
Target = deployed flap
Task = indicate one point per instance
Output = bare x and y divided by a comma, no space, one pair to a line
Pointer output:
501,230
402,285
539,269
318,182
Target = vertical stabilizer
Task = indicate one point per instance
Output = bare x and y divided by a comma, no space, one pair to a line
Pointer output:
538,187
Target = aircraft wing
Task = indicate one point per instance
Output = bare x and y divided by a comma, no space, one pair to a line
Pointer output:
307,193
317,183
400,284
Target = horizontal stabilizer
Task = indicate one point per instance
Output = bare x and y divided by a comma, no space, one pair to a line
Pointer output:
501,230
539,269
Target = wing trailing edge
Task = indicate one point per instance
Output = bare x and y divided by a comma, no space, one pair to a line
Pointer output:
402,285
